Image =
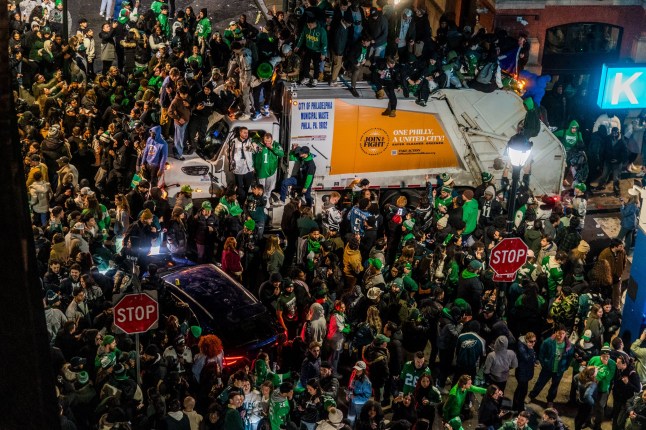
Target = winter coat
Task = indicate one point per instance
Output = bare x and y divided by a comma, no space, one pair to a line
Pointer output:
361,388
526,361
377,359
310,368
470,288
40,193
470,349
547,354
377,29
617,262
622,392
470,215
500,361
629,214
231,263
351,261
108,49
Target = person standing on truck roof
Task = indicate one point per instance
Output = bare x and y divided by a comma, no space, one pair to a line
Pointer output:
241,153
388,78
356,60
304,175
265,162
313,40
243,60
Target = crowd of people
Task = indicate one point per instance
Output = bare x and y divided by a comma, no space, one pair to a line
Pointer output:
382,304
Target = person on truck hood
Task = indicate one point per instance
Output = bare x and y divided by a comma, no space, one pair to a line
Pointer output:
304,175
265,162
154,155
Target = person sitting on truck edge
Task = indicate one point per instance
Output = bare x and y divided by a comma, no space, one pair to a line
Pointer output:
265,162
304,175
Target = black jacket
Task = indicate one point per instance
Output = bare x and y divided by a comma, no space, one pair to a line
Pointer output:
624,391
340,36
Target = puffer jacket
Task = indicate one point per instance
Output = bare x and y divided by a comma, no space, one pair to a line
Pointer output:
40,194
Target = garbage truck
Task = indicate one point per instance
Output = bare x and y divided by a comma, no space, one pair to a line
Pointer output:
459,132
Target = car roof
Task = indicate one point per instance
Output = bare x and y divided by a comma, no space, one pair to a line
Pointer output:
211,288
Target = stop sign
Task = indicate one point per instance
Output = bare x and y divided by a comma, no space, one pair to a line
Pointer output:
508,256
136,313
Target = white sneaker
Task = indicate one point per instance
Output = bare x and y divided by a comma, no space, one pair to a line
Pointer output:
314,82
244,117
278,203
303,81
265,111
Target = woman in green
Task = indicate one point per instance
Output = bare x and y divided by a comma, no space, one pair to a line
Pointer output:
457,397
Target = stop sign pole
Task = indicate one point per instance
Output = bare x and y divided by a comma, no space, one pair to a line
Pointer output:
507,257
136,313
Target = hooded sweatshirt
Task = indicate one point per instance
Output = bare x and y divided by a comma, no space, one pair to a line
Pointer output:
568,138
156,150
318,325
499,361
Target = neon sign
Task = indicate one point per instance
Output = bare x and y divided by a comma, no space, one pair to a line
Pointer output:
622,87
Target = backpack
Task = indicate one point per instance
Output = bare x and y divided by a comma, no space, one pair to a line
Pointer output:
486,73
364,335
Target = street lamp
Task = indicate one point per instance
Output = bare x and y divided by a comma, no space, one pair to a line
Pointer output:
518,150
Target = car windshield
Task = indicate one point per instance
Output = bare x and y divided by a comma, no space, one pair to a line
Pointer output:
238,318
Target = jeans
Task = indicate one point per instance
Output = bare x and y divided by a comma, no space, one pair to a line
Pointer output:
178,139
269,184
243,182
543,378
107,8
599,409
582,416
614,170
313,58
627,236
520,394
292,182
380,51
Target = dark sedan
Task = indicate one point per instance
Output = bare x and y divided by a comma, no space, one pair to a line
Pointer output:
222,306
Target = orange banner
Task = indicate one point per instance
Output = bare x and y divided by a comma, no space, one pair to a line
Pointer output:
365,141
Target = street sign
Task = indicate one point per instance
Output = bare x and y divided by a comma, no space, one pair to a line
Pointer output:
622,87
504,278
136,313
508,256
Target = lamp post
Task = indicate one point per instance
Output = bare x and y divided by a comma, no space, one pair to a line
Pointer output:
518,150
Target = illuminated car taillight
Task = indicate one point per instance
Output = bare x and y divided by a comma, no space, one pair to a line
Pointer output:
195,170
231,361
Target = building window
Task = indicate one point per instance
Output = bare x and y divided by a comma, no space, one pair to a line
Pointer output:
583,37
